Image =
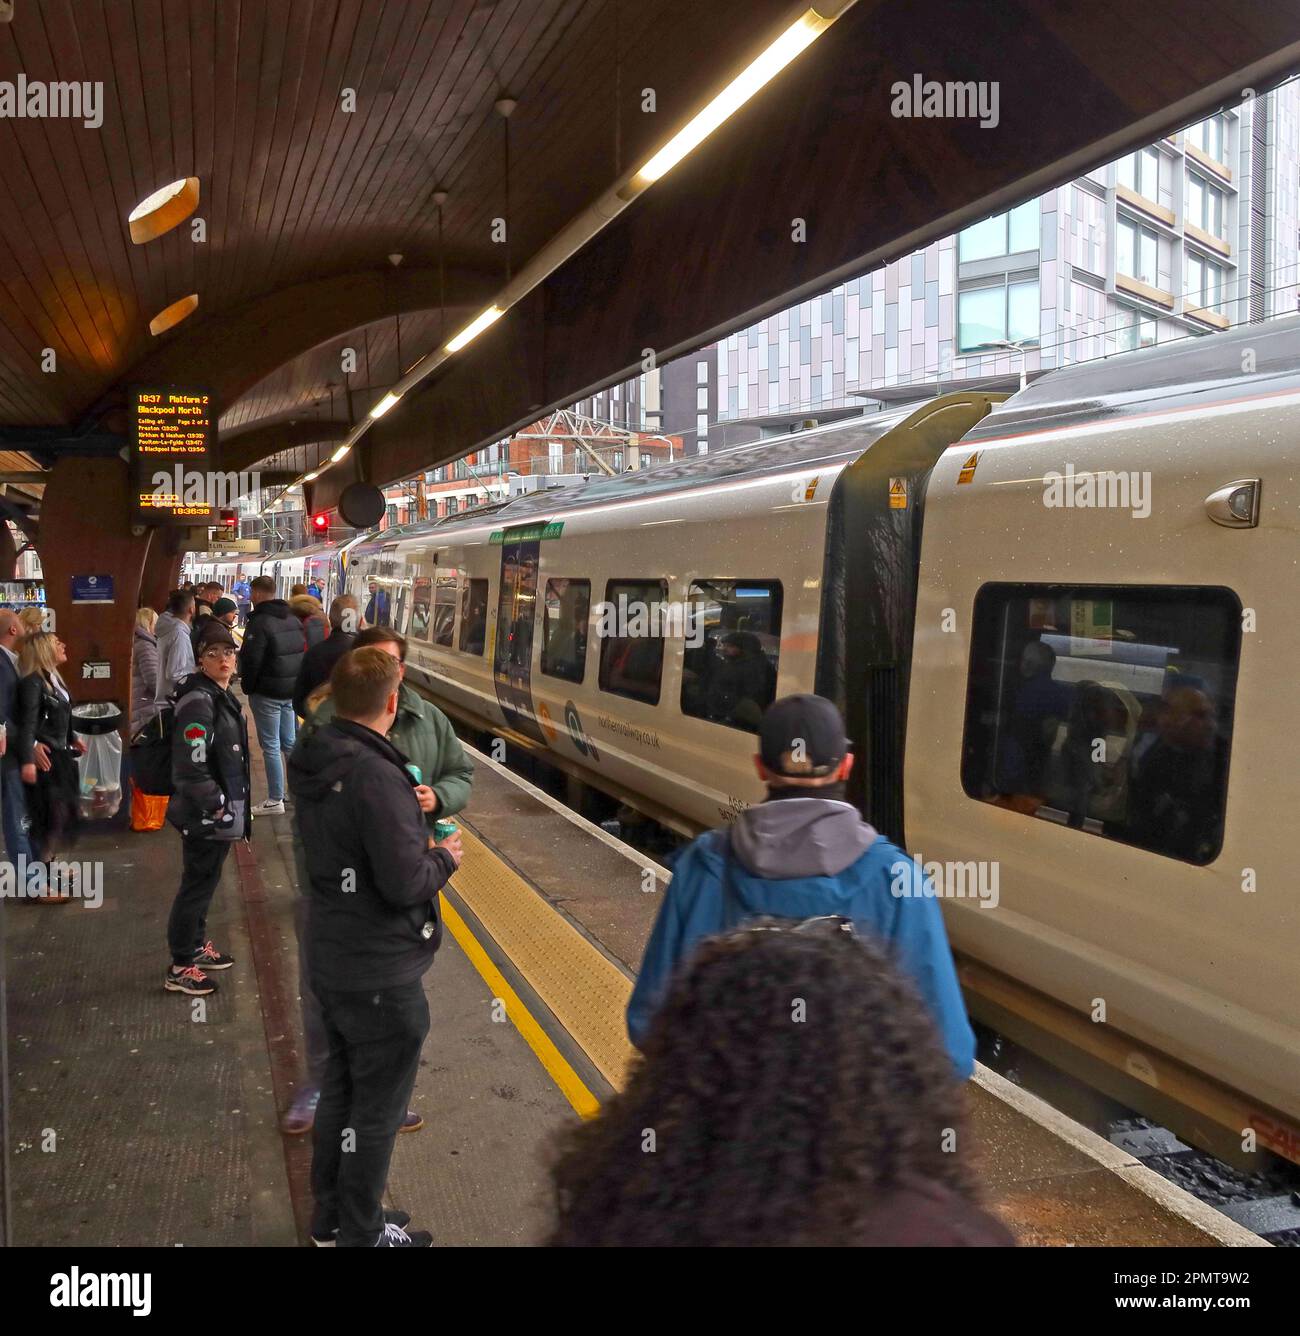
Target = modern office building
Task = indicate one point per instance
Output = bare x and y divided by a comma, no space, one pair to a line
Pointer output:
1184,237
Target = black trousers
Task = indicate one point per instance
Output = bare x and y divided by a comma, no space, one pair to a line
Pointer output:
374,1050
188,925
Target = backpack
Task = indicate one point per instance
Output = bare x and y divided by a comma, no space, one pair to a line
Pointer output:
151,753
818,924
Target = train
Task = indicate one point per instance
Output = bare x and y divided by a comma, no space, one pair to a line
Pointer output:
319,565
1059,624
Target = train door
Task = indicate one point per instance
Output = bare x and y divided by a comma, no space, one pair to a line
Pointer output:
513,657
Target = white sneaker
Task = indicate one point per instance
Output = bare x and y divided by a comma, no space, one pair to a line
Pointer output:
269,808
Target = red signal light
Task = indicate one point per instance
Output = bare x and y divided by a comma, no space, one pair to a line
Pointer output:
320,523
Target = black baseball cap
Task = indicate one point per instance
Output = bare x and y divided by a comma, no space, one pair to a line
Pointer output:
215,632
802,737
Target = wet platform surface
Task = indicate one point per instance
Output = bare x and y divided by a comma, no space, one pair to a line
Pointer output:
139,1118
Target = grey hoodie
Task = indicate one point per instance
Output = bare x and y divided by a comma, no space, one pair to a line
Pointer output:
800,837
175,653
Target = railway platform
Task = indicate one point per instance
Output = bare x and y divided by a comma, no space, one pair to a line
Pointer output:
141,1119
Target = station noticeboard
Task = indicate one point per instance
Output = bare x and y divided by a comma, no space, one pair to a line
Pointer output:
173,433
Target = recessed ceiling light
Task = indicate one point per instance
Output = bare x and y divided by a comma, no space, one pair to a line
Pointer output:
164,209
172,315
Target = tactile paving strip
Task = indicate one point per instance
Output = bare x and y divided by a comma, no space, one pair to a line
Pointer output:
587,993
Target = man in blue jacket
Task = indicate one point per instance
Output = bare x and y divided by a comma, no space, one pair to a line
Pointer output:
803,853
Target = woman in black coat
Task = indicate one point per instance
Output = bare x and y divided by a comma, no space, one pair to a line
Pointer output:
47,749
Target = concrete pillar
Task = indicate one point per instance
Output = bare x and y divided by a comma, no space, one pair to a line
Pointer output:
86,530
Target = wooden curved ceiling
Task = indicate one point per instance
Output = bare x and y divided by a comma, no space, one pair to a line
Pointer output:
303,201
247,97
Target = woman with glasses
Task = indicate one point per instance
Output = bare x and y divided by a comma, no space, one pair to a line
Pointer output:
209,806
793,1092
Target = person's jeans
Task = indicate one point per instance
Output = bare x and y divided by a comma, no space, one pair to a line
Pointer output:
374,1051
188,925
276,730
17,843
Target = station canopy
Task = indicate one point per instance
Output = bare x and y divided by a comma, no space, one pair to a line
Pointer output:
326,194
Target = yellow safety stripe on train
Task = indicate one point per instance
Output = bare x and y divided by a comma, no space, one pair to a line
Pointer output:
585,1104
587,992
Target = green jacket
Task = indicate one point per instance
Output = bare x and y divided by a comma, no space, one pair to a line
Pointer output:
424,735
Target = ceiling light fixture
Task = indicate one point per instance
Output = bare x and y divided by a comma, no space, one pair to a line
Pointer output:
171,316
163,210
384,405
474,328
796,38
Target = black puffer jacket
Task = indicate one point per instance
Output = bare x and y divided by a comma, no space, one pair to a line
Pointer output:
209,762
274,644
374,879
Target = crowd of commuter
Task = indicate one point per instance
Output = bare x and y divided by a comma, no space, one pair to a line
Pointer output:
802,1033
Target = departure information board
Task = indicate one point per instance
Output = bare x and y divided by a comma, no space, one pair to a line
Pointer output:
173,452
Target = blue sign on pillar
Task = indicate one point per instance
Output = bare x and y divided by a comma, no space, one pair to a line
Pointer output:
92,588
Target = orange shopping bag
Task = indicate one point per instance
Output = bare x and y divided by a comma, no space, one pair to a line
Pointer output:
148,810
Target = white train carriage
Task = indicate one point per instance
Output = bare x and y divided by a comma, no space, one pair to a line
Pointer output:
1085,707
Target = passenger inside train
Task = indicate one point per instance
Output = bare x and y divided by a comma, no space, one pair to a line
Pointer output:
1115,719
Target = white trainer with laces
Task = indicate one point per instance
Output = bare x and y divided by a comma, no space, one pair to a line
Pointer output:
270,808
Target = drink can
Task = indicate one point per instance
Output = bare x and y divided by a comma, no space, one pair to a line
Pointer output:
441,829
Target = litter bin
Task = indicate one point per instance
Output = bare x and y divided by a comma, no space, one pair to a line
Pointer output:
96,724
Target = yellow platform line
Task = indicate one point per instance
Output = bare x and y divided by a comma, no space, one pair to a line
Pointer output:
587,993
584,1102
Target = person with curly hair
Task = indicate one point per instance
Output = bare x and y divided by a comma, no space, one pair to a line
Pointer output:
800,853
792,1092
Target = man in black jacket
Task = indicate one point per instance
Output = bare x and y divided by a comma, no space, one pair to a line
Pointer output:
274,645
209,806
373,929
319,660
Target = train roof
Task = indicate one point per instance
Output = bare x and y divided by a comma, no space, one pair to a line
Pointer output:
1203,369
1208,368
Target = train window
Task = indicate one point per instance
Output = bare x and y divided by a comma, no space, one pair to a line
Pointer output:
444,605
631,662
473,616
1106,708
421,598
564,629
733,641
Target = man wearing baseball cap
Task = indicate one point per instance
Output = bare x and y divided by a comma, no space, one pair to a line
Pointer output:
804,852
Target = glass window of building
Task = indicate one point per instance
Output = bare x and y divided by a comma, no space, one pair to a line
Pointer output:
1140,172
1002,313
1136,250
1204,282
702,397
1208,136
701,373
1204,205
1106,709
451,505
701,423
473,616
564,629
631,664
556,456
733,643
1136,331
1003,234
